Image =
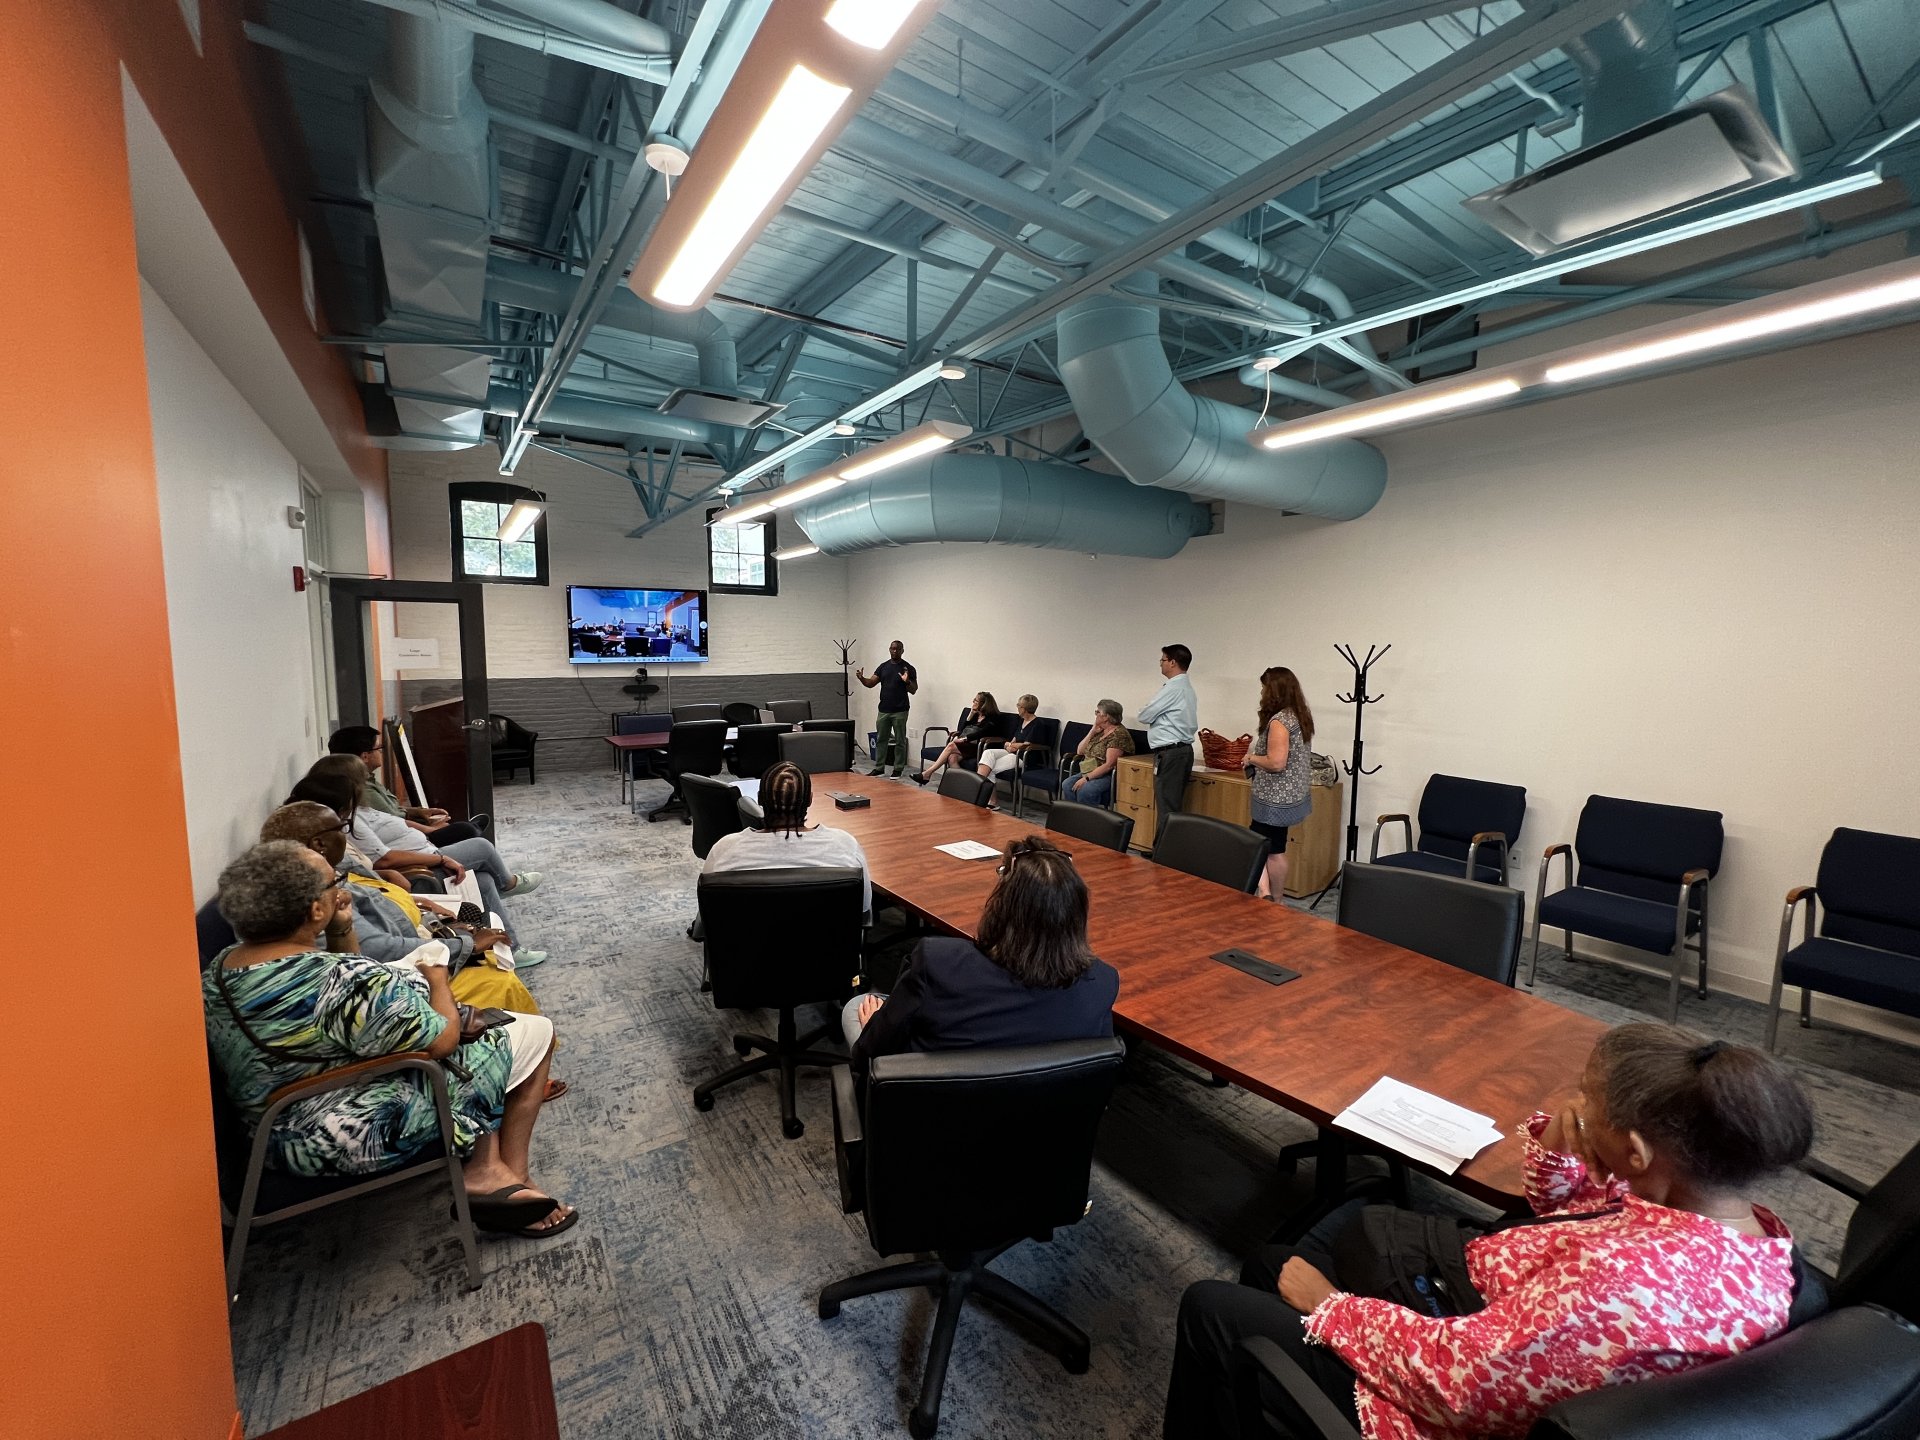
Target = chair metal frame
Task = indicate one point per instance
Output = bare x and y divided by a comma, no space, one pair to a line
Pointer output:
1484,837
1694,881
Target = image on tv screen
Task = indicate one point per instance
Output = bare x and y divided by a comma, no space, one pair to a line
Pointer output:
610,626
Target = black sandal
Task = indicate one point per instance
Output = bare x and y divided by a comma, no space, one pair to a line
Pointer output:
498,1215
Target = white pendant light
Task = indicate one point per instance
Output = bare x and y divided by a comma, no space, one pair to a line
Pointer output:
907,445
805,490
796,552
519,520
1377,414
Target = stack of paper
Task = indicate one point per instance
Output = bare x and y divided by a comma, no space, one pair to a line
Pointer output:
968,850
1420,1126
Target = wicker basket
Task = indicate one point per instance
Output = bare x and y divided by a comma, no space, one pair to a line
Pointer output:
1220,753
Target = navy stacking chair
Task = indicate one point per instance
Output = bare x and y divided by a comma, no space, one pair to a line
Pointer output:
1867,950
1642,883
1467,828
1047,777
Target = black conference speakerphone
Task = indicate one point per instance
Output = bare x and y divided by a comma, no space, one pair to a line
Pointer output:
847,800
1251,964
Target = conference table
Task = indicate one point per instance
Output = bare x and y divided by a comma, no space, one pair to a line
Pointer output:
1360,1009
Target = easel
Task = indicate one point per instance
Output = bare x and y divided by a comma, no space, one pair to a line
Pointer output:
1357,767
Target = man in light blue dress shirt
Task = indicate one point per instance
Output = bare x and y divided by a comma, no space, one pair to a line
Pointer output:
1172,719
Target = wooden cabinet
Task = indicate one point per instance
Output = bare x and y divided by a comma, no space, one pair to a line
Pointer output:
1314,845
1223,794
1133,795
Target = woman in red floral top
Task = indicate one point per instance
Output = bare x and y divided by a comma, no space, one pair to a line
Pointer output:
1644,1260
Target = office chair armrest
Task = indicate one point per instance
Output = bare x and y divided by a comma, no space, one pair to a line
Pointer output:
1552,850
1800,894
849,1145
1486,837
935,730
342,1076
1260,1359
1381,824
1695,877
1546,860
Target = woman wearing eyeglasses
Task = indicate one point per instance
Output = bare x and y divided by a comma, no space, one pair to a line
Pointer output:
1029,979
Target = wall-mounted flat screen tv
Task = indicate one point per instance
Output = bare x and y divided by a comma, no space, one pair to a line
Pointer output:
615,625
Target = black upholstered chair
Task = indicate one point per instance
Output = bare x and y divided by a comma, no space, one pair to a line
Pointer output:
1046,733
967,785
1089,822
1469,925
815,751
1048,776
964,1154
1229,855
696,747
755,747
791,712
1851,1374
1467,828
1880,1258
1642,883
689,714
1867,896
740,712
513,746
928,750
713,807
833,727
777,940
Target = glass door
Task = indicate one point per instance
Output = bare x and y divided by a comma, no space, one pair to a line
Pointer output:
415,652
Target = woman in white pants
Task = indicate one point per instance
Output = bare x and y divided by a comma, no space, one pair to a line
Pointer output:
1004,758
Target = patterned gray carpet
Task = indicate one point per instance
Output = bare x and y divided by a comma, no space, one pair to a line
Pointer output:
683,1303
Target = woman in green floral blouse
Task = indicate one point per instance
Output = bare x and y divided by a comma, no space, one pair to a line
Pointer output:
294,998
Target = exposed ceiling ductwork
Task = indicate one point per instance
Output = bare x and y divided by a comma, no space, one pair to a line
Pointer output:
1132,407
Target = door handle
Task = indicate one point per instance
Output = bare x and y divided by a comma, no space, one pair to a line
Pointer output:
474,725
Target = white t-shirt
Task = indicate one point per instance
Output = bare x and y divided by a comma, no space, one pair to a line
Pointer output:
376,832
822,847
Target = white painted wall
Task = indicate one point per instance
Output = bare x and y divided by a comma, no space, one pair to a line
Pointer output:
242,658
1700,591
587,523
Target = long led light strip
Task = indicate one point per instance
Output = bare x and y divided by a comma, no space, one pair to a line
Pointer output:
871,23
796,552
519,520
907,445
906,385
1413,405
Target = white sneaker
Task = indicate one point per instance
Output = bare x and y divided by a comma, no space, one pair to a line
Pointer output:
525,882
527,959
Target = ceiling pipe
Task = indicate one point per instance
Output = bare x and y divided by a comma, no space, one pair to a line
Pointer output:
602,417
1629,68
1274,383
652,67
1159,434
998,500
599,22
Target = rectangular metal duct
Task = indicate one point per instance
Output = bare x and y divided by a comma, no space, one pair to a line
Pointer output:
715,407
1709,150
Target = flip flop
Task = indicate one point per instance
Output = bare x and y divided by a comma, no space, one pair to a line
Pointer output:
498,1215
551,1230
555,1089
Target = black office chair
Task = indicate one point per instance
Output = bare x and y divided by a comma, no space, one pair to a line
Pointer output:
1868,948
713,807
1467,828
756,747
777,940
1880,1258
1051,774
513,746
1469,925
791,712
740,712
694,748
967,785
1046,734
1229,855
689,714
1643,883
1089,822
833,727
965,1153
814,751
928,750
1851,1374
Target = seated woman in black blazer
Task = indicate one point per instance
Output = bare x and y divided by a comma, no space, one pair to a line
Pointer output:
1031,979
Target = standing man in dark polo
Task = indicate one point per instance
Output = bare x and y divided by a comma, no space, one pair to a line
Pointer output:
897,680
1172,719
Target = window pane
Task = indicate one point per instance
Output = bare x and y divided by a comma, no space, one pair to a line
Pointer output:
726,570
726,539
753,570
753,539
479,517
518,559
482,557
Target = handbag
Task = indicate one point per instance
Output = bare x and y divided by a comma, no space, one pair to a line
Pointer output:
1220,753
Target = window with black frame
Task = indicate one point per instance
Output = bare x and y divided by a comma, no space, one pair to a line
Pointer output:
740,557
478,511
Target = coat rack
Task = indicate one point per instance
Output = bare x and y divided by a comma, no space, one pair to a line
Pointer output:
1356,767
846,688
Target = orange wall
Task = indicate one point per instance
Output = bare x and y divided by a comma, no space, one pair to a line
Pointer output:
113,1319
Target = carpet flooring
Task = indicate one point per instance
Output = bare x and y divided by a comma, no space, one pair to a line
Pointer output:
682,1304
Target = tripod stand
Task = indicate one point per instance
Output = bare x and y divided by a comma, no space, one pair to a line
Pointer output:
1356,767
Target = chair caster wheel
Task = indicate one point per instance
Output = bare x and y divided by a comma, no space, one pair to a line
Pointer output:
793,1129
828,1308
741,1047
1079,1361
921,1427
703,1102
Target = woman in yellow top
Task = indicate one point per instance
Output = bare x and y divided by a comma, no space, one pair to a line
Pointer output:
390,923
1106,742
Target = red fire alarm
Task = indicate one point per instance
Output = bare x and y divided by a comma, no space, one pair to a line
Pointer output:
299,578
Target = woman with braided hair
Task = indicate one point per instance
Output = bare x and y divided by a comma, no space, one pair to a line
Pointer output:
785,839
1645,1255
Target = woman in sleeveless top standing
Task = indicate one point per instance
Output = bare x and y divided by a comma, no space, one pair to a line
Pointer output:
1278,764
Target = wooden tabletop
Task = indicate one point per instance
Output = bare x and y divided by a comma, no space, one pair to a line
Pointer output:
651,740
1362,1008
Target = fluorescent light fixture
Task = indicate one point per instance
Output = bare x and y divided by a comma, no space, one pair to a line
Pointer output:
799,114
741,514
907,445
871,23
796,552
805,490
520,520
951,371
913,380
1376,414
1887,295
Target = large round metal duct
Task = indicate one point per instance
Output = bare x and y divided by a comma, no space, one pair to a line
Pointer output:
1123,390
995,499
